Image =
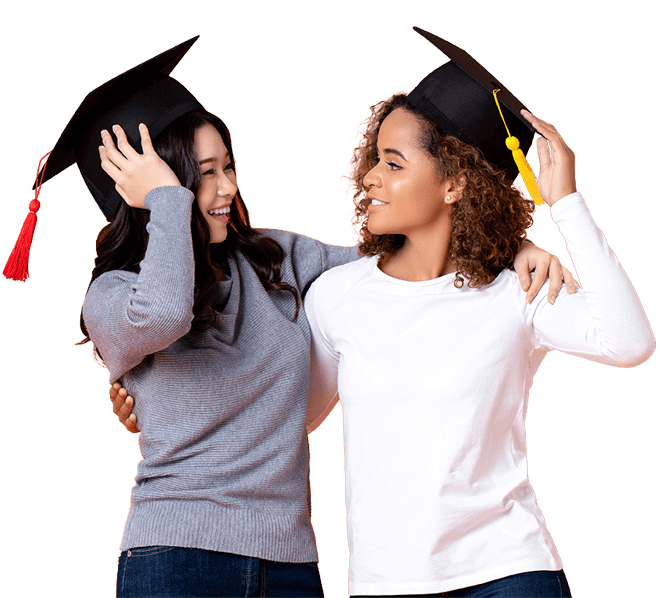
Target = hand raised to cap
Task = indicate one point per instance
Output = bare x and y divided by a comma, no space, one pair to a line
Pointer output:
557,176
135,174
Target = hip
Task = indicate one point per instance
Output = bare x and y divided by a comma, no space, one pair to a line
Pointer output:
160,571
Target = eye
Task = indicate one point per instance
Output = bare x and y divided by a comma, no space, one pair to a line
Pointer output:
210,171
230,166
390,165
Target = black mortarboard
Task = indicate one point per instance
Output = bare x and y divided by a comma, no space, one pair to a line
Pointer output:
458,97
144,94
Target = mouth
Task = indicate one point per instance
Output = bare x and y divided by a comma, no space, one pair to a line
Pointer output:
221,214
377,202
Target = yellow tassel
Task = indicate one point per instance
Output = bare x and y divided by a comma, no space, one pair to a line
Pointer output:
525,170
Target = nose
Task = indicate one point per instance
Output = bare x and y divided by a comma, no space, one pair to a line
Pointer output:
226,186
371,179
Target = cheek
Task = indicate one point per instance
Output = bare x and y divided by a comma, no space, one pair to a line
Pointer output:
205,195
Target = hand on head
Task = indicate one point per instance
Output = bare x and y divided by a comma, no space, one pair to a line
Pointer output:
135,174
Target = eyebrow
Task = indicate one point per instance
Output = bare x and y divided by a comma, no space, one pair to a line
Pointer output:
201,162
389,150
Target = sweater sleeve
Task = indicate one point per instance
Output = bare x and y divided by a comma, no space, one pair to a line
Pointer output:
604,322
322,396
130,316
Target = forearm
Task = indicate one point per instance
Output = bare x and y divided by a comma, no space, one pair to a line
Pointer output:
132,315
612,323
162,296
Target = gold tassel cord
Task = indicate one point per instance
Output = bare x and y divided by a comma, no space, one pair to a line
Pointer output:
525,170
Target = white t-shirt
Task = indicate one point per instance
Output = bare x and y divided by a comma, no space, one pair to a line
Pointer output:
434,385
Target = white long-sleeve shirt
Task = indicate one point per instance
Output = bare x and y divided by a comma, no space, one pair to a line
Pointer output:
434,384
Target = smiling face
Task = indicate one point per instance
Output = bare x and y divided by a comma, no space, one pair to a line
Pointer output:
218,182
407,193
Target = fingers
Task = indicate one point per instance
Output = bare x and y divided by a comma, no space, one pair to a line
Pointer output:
539,278
121,154
525,281
107,164
122,407
543,128
146,141
555,278
127,418
570,283
118,396
553,141
543,154
123,144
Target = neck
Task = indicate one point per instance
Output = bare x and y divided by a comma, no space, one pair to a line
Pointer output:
423,256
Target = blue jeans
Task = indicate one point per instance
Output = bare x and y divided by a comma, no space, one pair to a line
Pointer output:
168,571
534,584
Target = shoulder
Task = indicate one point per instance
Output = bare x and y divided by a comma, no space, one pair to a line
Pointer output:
308,258
339,280
301,246
330,297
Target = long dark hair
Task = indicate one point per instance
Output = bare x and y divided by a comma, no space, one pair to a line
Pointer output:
121,244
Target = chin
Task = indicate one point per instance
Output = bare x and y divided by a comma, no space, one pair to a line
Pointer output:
218,239
376,229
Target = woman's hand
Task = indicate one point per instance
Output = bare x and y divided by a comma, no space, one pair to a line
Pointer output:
556,175
529,258
135,174
122,406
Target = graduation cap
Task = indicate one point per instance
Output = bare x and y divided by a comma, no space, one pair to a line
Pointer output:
465,101
144,94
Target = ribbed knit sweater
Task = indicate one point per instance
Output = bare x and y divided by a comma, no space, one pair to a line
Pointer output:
222,413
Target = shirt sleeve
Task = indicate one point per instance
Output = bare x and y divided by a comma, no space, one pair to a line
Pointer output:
322,396
130,316
603,322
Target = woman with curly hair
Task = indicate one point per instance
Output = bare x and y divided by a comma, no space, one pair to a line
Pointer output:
482,242
432,348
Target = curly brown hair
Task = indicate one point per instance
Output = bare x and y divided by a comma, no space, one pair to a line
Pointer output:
489,221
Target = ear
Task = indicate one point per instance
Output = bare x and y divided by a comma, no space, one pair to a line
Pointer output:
453,189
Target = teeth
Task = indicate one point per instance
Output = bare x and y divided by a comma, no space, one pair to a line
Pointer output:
219,211
376,202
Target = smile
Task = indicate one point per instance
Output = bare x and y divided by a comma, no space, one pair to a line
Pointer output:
220,211
377,202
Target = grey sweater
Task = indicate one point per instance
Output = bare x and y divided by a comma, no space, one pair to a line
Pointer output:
222,413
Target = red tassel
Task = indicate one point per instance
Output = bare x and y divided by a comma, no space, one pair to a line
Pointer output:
17,264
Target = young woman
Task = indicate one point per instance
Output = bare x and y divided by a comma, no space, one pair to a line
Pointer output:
432,348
